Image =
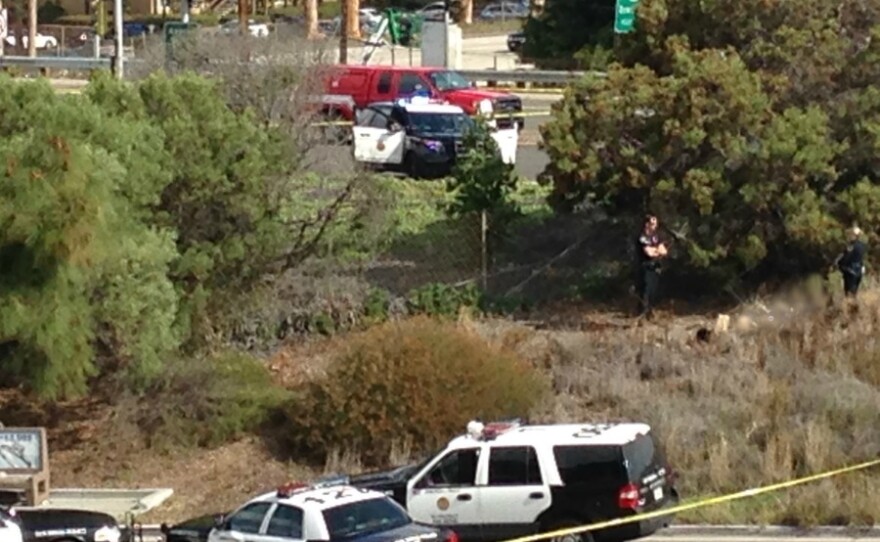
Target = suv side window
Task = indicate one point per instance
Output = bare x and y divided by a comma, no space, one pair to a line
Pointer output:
514,466
409,83
249,519
457,468
365,117
598,466
286,522
383,86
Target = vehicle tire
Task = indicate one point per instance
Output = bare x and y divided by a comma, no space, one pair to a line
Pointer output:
412,167
557,525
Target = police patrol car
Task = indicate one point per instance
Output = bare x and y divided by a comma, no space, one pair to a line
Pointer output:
502,480
56,525
299,512
419,136
9,529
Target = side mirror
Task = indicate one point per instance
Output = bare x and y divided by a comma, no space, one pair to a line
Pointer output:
219,520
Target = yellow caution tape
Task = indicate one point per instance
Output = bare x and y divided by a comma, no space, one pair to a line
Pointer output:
711,501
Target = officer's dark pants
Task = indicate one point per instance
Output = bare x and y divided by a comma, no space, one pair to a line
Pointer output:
851,283
649,280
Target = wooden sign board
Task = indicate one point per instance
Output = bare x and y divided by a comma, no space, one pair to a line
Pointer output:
24,462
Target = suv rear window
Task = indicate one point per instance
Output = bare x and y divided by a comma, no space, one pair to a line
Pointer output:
605,466
642,456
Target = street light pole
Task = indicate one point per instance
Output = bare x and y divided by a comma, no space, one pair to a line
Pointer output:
343,32
4,27
32,28
117,23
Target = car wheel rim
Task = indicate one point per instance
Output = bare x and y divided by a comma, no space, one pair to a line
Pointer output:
568,538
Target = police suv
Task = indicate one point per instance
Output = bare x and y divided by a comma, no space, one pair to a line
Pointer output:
502,480
419,136
300,512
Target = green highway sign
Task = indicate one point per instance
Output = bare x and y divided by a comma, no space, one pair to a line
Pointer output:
625,16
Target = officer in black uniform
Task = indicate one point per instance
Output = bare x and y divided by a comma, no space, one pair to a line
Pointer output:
650,250
852,262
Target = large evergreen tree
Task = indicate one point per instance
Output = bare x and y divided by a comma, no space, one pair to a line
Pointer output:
750,126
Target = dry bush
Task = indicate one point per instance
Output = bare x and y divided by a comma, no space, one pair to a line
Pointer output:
790,399
276,77
419,379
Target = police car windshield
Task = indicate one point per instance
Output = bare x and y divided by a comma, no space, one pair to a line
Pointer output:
364,518
449,81
440,123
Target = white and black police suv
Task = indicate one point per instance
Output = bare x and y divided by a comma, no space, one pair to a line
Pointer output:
502,480
57,525
324,512
419,136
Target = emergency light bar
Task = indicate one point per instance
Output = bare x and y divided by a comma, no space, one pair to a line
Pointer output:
489,431
288,489
420,100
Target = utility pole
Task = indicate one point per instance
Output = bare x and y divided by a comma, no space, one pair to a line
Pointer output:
343,32
120,45
243,17
32,28
4,27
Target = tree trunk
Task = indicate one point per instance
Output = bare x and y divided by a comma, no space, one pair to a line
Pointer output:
352,19
468,8
311,9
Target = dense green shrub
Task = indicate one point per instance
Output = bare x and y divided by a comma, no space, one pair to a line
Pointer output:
438,299
416,381
207,401
82,266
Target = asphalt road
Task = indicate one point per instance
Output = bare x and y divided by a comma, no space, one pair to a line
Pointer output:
754,538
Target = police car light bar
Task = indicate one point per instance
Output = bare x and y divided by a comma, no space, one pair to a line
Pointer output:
290,488
419,99
488,431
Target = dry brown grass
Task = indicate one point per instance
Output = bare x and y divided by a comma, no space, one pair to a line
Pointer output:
798,395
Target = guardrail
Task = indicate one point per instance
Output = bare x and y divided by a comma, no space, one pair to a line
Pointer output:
527,76
55,63
537,77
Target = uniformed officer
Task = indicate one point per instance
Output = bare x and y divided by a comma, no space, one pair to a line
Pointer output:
650,250
852,262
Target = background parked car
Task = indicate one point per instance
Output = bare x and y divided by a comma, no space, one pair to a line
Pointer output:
42,41
500,11
255,29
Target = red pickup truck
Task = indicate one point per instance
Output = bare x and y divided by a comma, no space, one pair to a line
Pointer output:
349,87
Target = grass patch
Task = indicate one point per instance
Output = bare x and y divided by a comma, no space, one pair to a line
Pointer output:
494,28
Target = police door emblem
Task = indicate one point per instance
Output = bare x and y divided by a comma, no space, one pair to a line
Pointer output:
443,503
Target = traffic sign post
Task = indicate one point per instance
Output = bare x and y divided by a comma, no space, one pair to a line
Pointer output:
625,16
